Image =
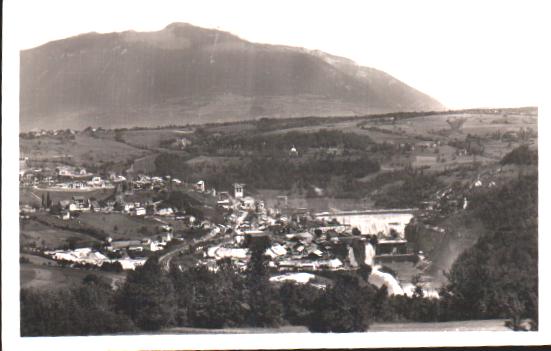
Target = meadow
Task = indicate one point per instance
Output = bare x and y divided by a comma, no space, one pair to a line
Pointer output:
43,277
41,235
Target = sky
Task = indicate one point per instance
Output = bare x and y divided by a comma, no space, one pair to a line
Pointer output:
464,53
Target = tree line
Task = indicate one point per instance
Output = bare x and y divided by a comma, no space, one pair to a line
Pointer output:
150,300
270,172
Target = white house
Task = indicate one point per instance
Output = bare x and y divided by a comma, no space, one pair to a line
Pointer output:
65,215
139,211
200,186
248,203
165,212
293,152
97,182
238,190
129,263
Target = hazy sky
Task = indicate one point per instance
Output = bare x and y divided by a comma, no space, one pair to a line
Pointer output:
463,53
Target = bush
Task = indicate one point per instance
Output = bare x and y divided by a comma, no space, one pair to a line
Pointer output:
342,308
298,302
522,155
147,297
85,310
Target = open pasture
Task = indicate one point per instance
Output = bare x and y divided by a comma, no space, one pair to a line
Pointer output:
41,235
32,196
120,226
83,150
150,138
45,277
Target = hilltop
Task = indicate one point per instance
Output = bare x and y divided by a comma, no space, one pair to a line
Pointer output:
186,74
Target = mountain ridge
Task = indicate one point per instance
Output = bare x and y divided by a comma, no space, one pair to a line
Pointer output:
187,74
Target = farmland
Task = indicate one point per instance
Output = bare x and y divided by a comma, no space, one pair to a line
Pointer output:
84,150
40,235
45,277
34,195
124,227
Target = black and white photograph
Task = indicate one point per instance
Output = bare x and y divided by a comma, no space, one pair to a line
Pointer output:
273,174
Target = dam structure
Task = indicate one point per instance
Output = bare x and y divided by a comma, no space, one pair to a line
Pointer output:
386,221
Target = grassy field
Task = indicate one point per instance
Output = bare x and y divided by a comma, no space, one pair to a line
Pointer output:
145,164
481,325
49,278
120,226
475,124
44,236
150,138
475,325
429,128
38,260
34,195
83,150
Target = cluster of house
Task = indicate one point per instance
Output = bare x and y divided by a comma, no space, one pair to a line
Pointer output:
321,242
43,133
143,245
145,182
299,244
296,256
79,204
65,178
182,143
287,252
122,248
298,240
92,257
78,178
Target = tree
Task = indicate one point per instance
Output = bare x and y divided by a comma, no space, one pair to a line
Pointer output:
521,155
148,297
223,306
265,309
118,206
342,308
298,302
456,123
83,310
48,200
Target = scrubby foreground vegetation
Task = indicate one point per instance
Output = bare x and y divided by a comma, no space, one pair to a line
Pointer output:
495,278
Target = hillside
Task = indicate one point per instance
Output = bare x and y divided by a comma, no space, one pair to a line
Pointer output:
185,74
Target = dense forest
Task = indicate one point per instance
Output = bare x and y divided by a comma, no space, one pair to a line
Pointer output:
498,276
282,173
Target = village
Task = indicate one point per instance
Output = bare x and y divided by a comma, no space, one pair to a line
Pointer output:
379,203
298,241
193,224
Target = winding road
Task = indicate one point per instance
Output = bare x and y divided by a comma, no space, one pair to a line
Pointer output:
165,258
